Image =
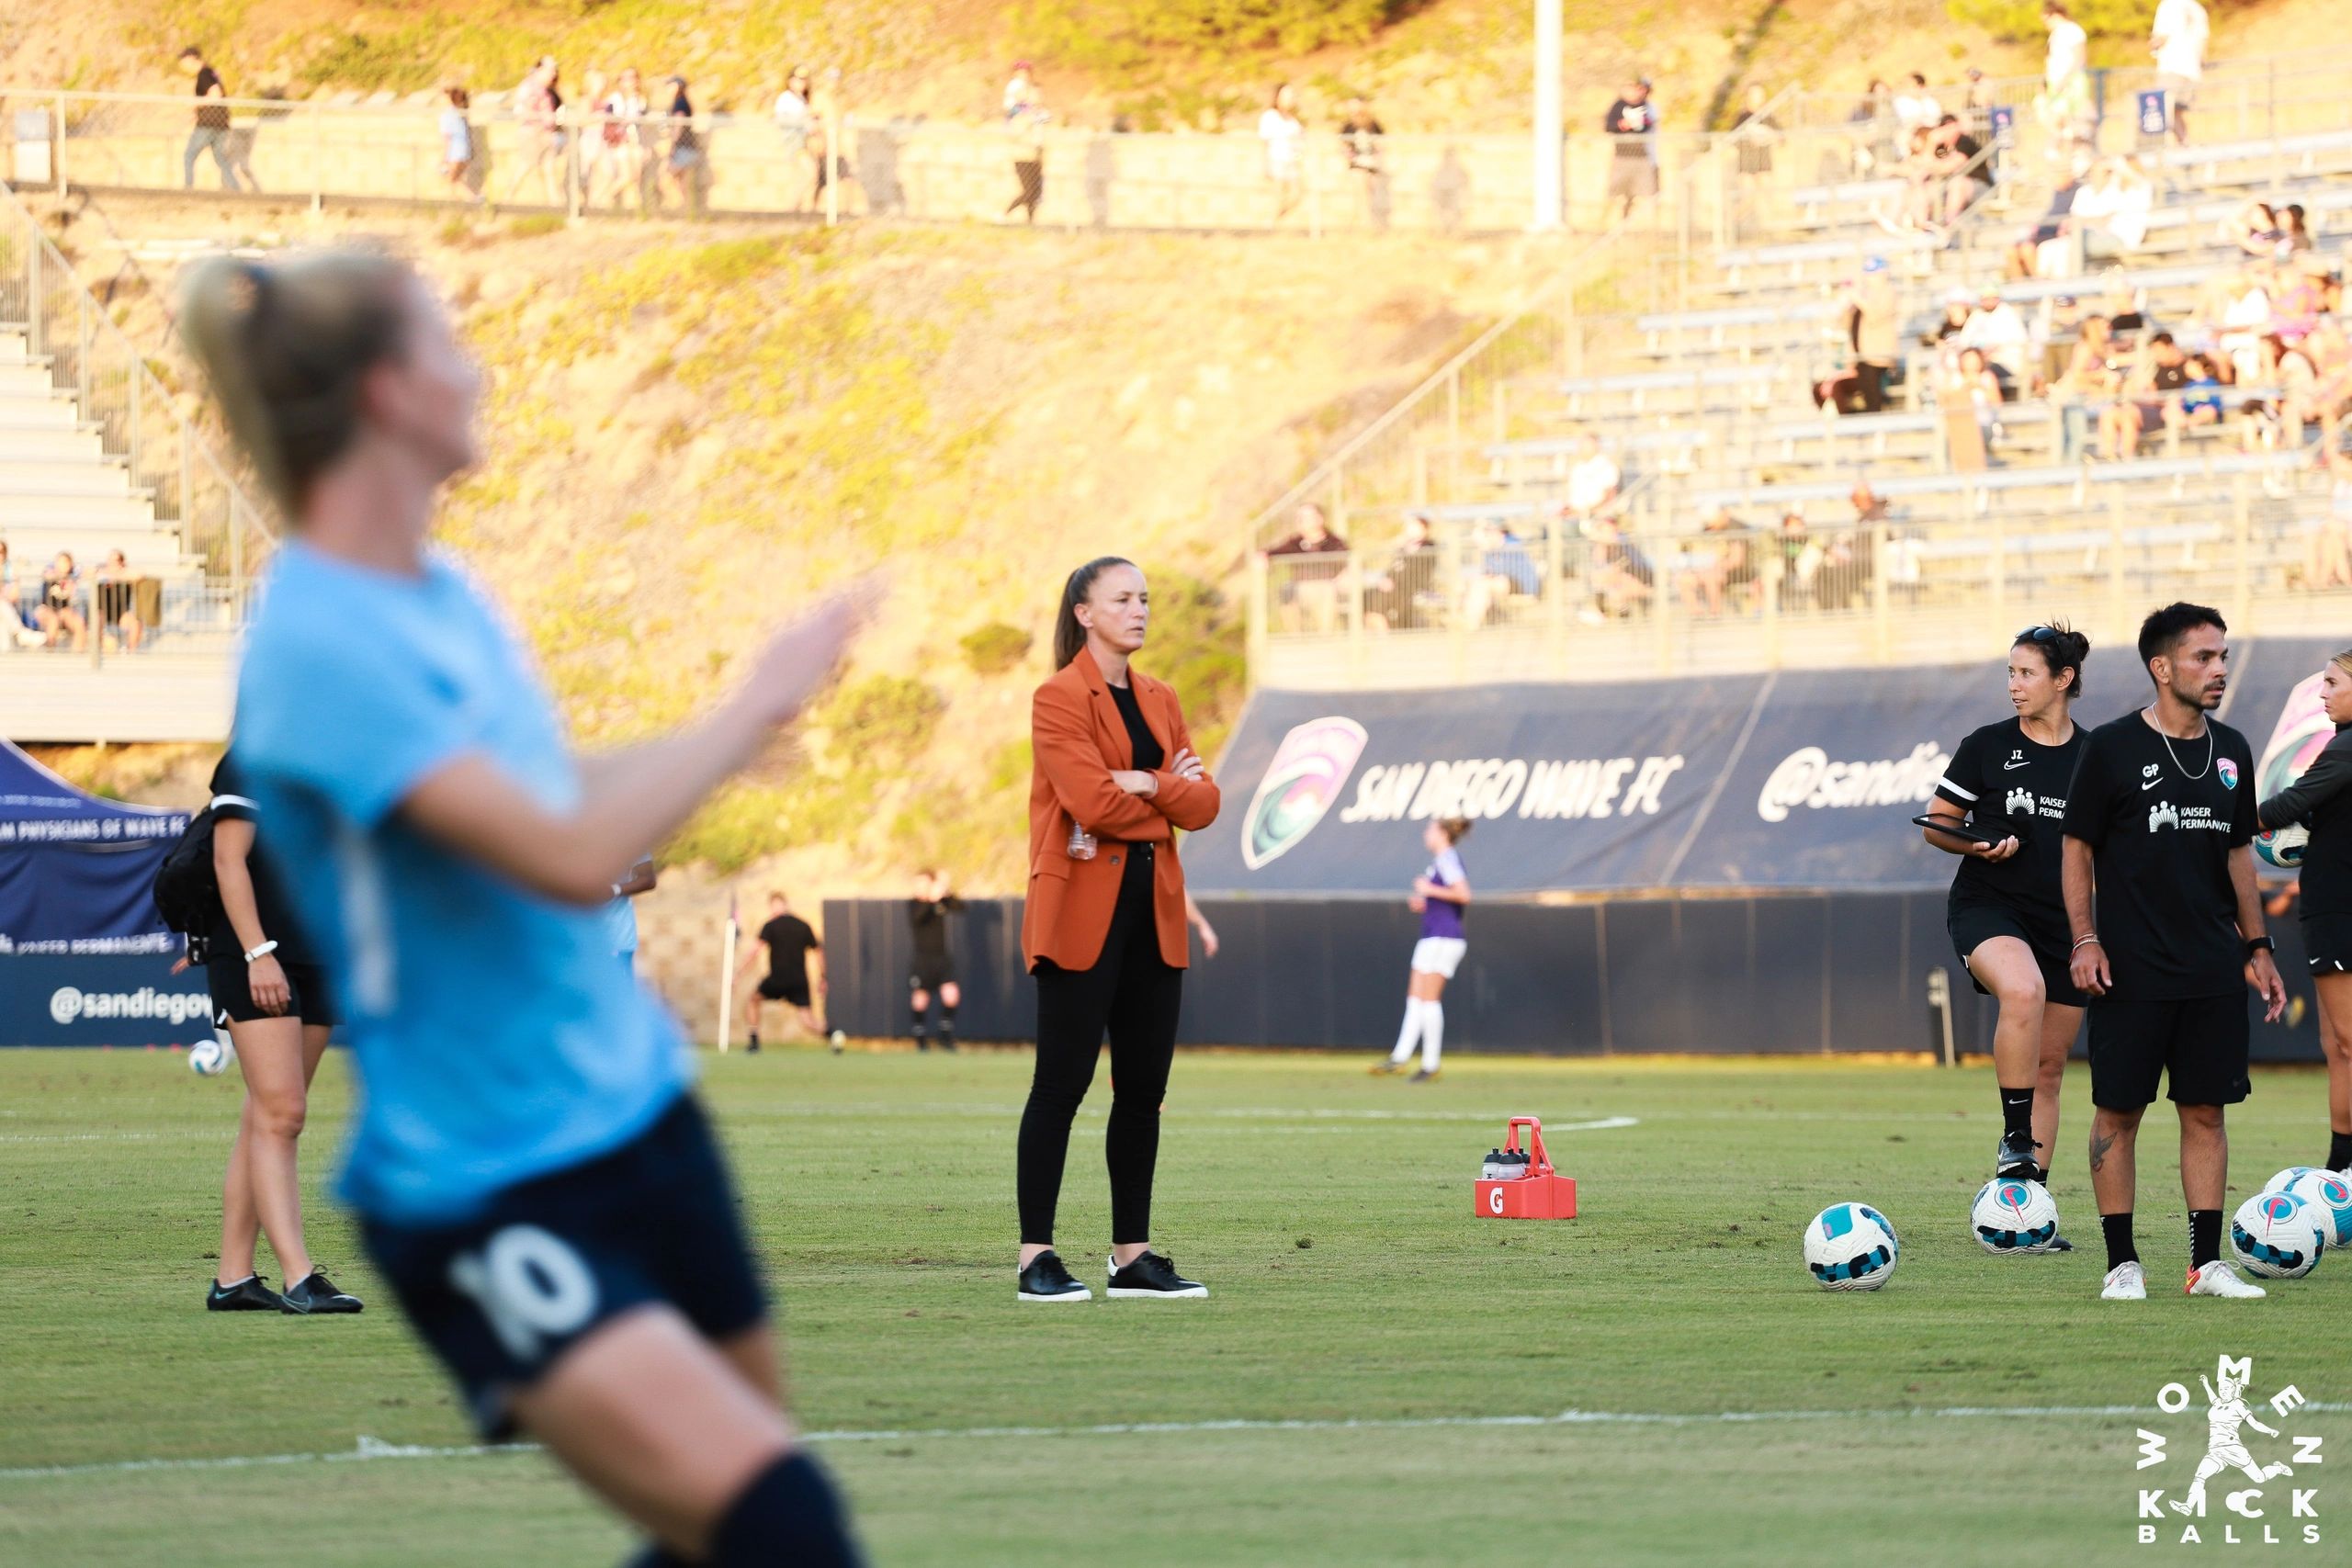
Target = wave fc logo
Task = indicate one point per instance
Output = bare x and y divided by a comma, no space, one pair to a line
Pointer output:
1309,769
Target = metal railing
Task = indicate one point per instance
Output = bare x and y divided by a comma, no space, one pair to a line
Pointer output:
178,483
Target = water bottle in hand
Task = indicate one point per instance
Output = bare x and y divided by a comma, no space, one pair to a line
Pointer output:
1082,843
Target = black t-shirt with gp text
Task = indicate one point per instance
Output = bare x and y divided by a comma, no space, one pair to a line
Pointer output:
928,917
232,802
2161,817
2010,784
789,940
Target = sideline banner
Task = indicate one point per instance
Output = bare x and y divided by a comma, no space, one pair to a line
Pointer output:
1805,779
127,1000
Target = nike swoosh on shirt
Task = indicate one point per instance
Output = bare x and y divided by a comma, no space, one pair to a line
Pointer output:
2007,767
2149,785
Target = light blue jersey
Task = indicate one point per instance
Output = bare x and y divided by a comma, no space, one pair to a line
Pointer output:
496,1038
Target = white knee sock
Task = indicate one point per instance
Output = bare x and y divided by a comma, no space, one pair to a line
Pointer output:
1433,1034
1410,1033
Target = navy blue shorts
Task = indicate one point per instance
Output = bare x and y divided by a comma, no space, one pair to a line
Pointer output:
501,1297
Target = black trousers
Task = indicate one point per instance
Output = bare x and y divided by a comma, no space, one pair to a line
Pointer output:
1134,995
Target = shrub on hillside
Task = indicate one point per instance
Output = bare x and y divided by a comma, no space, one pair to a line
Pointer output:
882,719
1124,35
995,647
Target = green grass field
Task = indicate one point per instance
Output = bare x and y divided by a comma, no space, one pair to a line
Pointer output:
1320,1407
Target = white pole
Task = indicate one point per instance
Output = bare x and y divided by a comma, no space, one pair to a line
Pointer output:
726,980
1543,212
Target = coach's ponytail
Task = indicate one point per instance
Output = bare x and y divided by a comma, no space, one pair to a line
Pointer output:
285,345
1068,636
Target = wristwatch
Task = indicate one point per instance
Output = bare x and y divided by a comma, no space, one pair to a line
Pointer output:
2254,944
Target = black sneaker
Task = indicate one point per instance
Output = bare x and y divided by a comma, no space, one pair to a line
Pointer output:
2014,1161
1047,1281
1152,1277
2057,1244
316,1293
248,1294
1386,1065
1427,1075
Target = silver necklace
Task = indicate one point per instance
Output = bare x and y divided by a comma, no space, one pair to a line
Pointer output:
2175,756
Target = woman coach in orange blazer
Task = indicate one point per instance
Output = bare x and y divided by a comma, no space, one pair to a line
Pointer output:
1103,930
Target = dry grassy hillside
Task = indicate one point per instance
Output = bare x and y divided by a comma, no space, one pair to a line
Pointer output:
690,431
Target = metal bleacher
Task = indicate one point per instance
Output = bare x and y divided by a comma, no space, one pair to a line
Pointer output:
1709,409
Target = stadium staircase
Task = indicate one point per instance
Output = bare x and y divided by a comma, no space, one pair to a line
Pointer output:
1710,405
96,456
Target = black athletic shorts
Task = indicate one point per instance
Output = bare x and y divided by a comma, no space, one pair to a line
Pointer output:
2198,1045
229,980
2327,943
503,1296
928,976
791,988
1974,922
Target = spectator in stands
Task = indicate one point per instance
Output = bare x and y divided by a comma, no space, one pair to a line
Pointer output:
59,613
1505,572
1796,561
2056,326
2294,227
1281,130
2091,378
795,118
1620,579
1959,304
539,105
1311,586
2200,399
1631,125
1871,509
116,600
1026,118
1395,596
2110,212
1721,561
628,139
459,165
2041,254
2255,230
2064,105
1843,577
1997,329
2149,393
686,166
2176,38
211,131
2243,322
1872,330
1594,479
2121,303
1360,134
1923,175
1965,377
2327,554
1870,130
2325,400
1966,175
1916,109
16,621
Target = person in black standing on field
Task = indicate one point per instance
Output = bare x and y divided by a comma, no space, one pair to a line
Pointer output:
211,131
2007,910
2319,801
2160,900
788,940
935,969
267,985
1103,927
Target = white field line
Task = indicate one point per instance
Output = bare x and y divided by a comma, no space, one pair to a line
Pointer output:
371,1449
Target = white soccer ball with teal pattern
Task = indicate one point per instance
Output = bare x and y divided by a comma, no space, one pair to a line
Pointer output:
211,1058
2328,1193
1850,1247
2010,1216
2279,1235
2288,1177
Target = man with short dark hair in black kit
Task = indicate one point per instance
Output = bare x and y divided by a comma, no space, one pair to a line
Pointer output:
2160,824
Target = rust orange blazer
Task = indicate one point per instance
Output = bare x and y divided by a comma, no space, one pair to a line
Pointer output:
1079,740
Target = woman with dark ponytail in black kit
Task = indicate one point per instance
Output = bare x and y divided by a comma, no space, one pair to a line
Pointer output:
1103,927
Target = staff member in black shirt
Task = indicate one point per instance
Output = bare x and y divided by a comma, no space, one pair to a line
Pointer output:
2319,801
268,986
935,967
2159,831
2008,912
789,940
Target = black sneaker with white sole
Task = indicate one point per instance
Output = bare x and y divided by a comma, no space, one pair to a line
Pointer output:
2014,1160
248,1294
1151,1277
314,1294
1045,1280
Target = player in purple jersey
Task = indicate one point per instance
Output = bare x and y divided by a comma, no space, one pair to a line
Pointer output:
1440,893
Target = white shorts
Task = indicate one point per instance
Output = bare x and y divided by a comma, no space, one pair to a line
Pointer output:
2180,92
1439,954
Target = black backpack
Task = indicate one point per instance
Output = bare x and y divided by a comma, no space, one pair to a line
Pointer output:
188,894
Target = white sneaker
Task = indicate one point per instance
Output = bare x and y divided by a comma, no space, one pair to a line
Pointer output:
2218,1279
2125,1282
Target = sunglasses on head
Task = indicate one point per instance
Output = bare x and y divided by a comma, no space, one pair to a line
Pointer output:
2037,635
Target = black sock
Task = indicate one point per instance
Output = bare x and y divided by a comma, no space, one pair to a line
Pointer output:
917,1024
789,1513
754,1041
2204,1236
2121,1247
946,1025
2017,1111
2339,1151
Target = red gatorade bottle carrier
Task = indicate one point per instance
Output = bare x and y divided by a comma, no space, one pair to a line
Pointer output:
1542,1193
